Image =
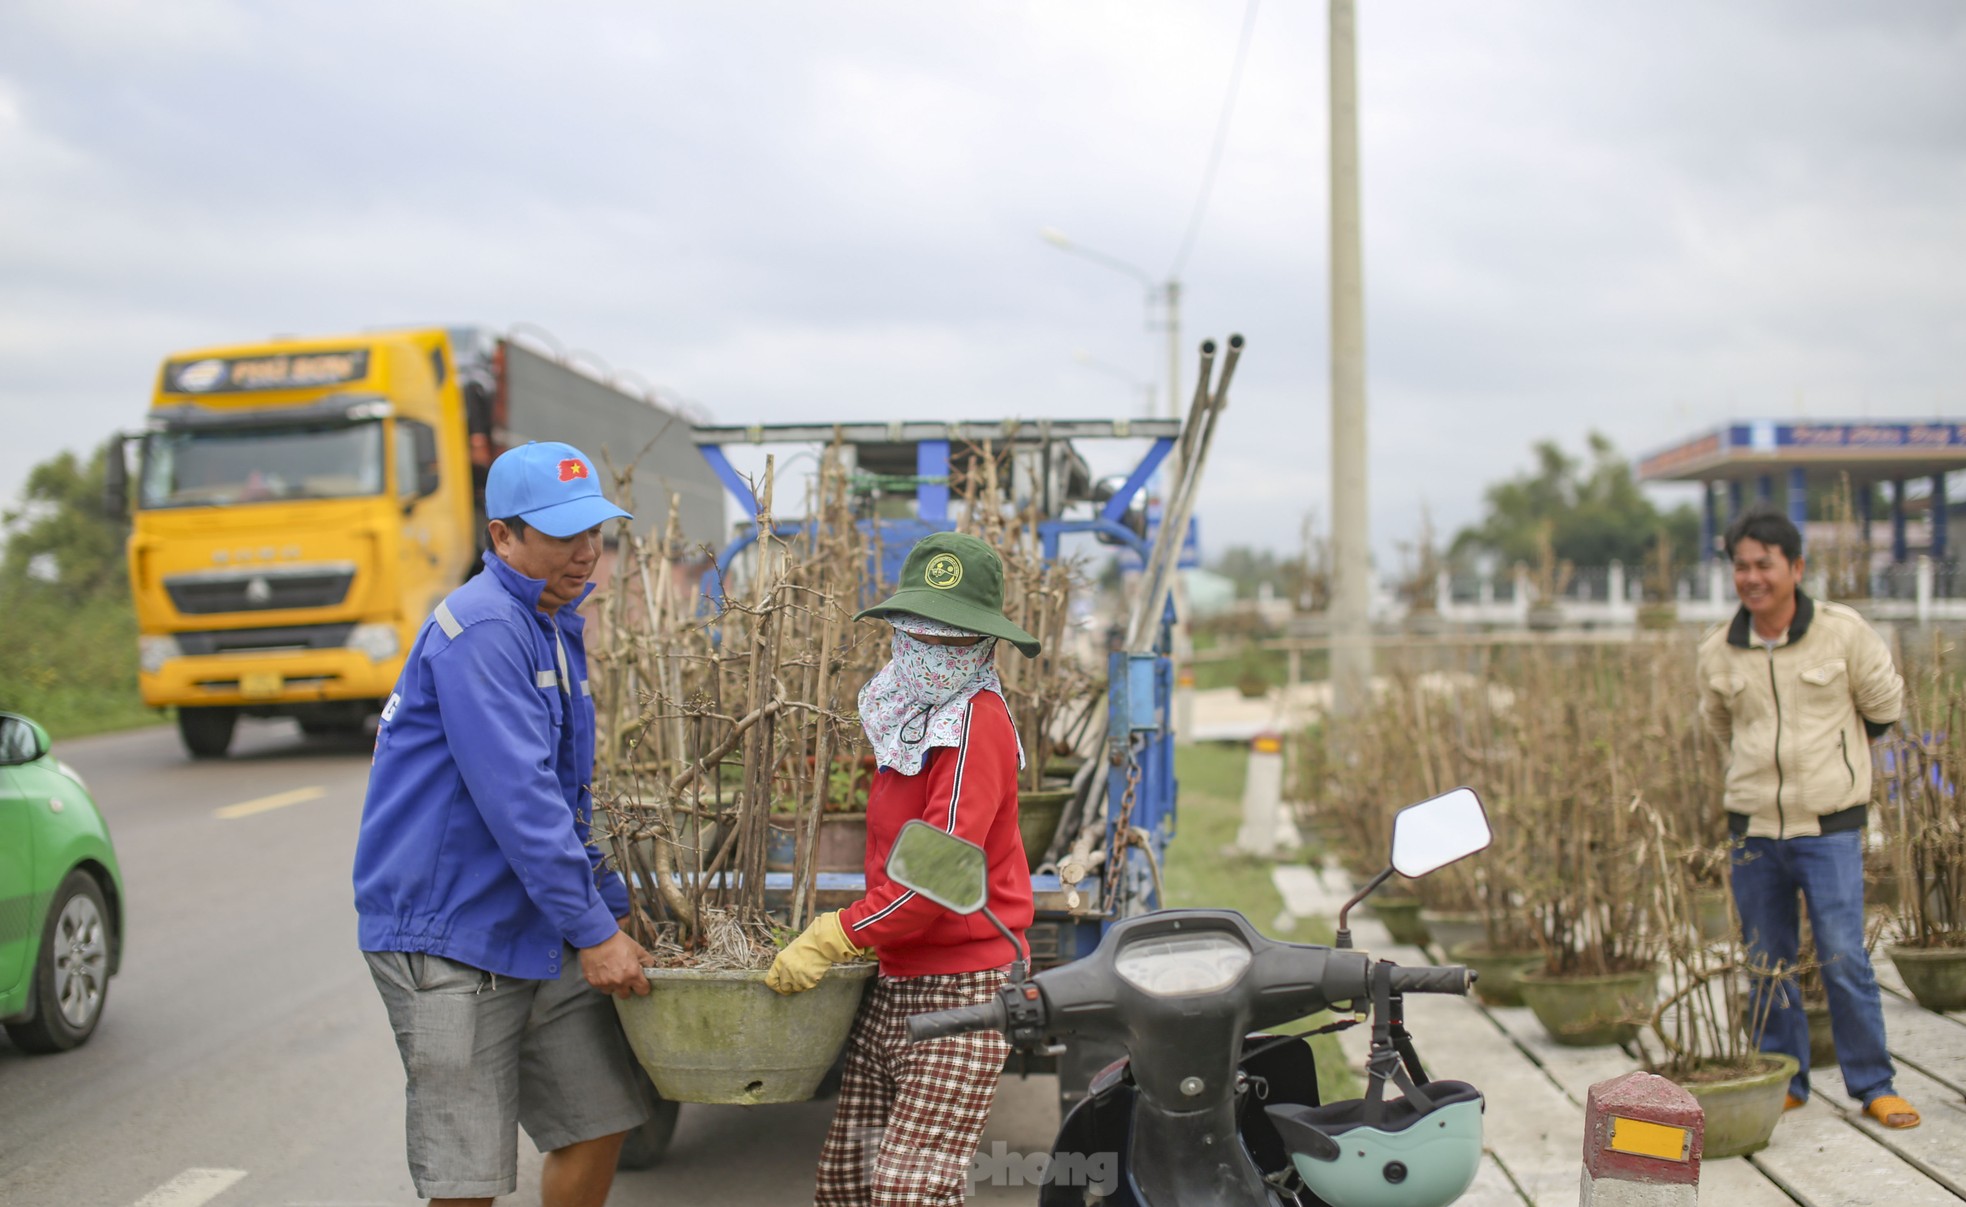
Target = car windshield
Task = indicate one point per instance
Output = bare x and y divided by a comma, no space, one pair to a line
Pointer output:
214,467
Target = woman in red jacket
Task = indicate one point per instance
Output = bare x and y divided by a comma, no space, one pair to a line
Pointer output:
909,1116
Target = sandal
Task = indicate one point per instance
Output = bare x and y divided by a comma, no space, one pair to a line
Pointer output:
1892,1111
1791,1103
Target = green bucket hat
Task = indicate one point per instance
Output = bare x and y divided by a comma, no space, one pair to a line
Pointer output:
956,579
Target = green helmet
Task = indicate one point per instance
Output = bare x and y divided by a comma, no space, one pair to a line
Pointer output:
1411,1157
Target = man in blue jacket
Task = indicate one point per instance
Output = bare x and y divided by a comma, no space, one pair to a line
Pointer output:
476,879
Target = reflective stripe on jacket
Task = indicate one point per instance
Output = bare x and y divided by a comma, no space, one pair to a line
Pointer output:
1793,720
474,842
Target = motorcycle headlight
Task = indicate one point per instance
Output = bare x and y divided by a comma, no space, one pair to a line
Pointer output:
1176,965
378,641
154,652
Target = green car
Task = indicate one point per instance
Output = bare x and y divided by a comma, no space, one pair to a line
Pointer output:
61,896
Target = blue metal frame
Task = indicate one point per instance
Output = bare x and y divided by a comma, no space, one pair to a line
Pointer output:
1141,686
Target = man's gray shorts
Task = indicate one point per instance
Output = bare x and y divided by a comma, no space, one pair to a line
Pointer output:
485,1053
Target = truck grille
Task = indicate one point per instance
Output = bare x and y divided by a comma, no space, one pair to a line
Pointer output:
265,641
322,585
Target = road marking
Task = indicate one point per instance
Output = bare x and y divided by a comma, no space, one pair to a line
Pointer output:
192,1188
279,800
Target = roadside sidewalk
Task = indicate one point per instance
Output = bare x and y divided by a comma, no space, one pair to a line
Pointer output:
1824,1155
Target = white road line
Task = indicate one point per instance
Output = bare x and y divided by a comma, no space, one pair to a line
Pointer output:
279,800
192,1188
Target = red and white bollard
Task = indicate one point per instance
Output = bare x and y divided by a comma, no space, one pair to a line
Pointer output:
1642,1139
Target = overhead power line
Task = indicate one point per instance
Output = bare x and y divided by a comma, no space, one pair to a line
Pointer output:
1221,141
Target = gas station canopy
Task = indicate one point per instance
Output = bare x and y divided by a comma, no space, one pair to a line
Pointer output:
1868,452
1765,452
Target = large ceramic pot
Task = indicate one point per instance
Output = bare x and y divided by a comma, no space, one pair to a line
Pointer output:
781,846
1401,916
843,842
1714,915
1589,1011
1741,1112
1658,617
1498,974
1038,812
1936,976
725,1037
1822,1043
1449,929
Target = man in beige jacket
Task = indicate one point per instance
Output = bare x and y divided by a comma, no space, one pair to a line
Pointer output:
1794,689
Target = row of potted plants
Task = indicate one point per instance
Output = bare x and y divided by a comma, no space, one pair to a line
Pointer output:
1603,904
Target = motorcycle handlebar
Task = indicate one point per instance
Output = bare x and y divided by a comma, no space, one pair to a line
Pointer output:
1450,978
989,1016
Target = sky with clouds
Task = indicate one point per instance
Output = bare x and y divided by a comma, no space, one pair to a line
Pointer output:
1642,219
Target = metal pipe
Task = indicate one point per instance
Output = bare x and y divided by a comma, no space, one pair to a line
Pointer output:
1229,362
1174,518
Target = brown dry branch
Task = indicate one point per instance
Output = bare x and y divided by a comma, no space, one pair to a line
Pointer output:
727,722
1571,749
1916,802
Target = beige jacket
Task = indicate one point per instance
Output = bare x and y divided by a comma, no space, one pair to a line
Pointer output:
1793,720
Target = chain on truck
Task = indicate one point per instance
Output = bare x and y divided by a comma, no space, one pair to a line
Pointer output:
298,506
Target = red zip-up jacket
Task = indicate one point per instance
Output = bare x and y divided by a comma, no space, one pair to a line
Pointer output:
969,791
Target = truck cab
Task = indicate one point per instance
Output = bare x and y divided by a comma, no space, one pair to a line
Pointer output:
299,507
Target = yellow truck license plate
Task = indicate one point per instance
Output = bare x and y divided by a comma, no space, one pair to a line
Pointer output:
260,685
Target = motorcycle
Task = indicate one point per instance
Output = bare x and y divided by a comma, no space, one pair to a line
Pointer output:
1208,1107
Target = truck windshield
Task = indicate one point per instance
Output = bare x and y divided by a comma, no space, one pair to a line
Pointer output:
216,467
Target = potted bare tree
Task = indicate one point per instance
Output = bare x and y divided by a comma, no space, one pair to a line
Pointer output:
1917,795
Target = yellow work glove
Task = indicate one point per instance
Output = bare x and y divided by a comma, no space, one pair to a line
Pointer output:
806,958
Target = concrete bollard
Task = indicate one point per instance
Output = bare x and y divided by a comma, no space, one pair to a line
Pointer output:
1642,1140
1266,822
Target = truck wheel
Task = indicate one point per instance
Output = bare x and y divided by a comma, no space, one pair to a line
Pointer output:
207,732
648,1144
71,975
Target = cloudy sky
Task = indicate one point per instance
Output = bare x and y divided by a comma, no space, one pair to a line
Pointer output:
1641,218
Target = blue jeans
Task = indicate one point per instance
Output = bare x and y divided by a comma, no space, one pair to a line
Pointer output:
1828,873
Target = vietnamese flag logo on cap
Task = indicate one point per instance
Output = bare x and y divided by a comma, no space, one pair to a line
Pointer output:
572,468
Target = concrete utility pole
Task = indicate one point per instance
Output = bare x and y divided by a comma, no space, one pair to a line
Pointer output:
1351,558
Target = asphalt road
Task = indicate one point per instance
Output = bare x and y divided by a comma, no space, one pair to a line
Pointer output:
244,1058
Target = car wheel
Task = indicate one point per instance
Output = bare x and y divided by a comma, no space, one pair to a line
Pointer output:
648,1144
207,732
71,975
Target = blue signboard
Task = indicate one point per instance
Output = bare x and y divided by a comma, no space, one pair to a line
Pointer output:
1767,436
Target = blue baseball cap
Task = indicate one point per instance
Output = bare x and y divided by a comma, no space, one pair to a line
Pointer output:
551,486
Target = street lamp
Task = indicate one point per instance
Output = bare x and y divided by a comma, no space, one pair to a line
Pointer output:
1146,388
1167,293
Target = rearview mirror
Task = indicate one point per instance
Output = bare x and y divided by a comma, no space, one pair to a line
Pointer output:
952,872
1434,833
116,480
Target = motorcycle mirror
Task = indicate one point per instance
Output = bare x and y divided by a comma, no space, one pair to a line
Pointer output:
952,872
1434,833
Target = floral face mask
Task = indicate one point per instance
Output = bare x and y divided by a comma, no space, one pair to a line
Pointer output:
917,701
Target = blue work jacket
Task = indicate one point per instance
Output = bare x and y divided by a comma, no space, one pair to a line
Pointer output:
474,843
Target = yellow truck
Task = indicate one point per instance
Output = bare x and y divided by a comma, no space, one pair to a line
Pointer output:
300,506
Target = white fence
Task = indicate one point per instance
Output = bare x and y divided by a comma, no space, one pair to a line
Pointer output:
1607,598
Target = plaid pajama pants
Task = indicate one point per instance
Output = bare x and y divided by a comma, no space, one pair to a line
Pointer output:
910,1115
